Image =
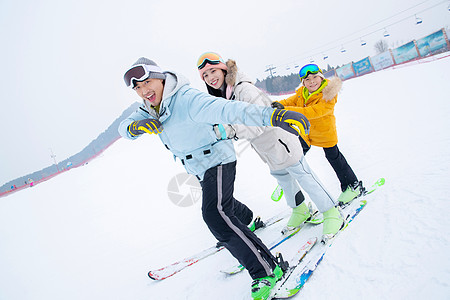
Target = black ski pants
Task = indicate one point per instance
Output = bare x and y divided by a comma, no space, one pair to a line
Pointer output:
339,164
220,212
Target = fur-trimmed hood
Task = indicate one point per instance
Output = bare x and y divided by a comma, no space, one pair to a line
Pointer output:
333,87
234,76
230,78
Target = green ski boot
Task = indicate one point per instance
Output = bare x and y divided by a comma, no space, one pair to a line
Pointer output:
353,191
261,287
332,223
299,215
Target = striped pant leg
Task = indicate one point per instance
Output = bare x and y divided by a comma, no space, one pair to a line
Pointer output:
218,210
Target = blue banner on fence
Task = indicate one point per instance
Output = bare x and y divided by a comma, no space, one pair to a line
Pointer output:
345,72
362,67
404,53
433,43
382,61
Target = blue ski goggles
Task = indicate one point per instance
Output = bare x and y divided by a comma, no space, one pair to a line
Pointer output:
309,69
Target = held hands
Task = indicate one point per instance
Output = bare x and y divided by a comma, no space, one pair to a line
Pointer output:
224,132
278,105
145,126
290,121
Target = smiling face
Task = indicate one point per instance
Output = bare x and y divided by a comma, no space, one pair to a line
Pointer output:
150,89
312,82
214,77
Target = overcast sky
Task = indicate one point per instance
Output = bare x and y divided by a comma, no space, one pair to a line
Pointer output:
62,62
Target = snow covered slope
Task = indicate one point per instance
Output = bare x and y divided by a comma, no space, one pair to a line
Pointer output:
94,232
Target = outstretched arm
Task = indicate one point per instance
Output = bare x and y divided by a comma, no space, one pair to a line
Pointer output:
206,108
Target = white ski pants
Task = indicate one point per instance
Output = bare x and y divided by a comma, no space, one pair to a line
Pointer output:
300,175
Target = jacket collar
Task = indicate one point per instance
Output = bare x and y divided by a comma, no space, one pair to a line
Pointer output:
329,90
306,93
172,84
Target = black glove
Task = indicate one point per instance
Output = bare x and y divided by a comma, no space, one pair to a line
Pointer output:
278,105
147,125
290,121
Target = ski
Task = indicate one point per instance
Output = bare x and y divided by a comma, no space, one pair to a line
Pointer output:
291,285
275,243
374,187
238,268
174,268
293,263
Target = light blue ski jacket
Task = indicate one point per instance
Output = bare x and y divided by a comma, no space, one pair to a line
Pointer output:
188,115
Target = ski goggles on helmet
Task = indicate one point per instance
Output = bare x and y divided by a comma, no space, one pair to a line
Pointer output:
139,73
309,69
209,58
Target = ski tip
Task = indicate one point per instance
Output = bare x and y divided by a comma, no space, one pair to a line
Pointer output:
277,194
312,240
156,277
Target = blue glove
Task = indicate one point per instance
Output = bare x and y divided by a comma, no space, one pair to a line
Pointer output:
290,121
145,126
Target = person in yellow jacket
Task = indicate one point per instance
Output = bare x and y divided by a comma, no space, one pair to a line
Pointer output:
316,98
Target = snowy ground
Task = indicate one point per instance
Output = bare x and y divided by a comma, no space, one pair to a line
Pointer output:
94,232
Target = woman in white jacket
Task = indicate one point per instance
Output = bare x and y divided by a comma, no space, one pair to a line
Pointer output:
279,149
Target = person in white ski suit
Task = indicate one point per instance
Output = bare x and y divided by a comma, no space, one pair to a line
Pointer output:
279,149
183,118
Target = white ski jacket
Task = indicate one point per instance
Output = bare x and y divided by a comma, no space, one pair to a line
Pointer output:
276,147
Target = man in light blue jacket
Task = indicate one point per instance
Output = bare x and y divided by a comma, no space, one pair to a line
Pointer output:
183,118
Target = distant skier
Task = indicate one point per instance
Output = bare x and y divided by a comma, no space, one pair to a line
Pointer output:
316,98
280,150
183,117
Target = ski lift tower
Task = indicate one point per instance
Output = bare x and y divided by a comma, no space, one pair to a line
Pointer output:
269,69
54,159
